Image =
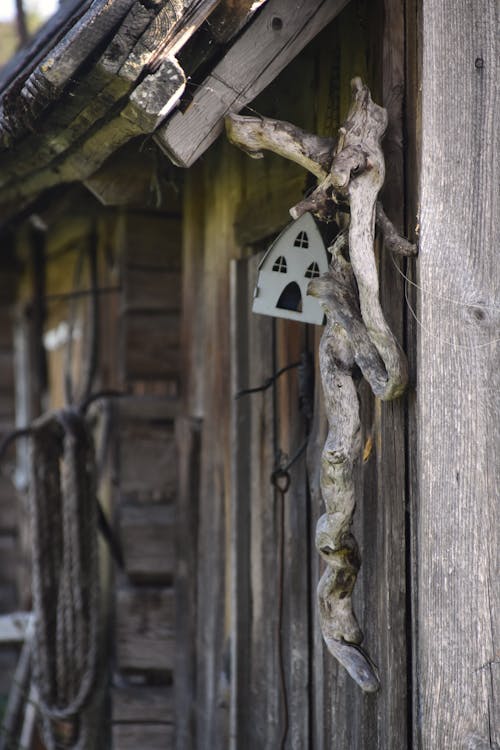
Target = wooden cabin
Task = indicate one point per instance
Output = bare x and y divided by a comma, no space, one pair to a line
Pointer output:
131,235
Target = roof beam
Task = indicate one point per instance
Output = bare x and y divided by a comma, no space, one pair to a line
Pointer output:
276,36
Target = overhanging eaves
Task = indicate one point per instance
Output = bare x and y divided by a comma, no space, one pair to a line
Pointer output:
103,72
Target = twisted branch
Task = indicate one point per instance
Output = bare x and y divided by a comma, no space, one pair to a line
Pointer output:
350,171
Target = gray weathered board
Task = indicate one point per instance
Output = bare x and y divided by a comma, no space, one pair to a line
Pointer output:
458,409
268,639
145,629
274,38
188,437
151,254
147,537
145,616
143,717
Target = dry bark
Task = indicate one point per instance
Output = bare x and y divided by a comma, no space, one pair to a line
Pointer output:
351,172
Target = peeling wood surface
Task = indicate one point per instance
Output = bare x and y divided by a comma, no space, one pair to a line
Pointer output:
458,408
127,91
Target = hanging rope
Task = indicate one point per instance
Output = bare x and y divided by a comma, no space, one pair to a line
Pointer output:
65,575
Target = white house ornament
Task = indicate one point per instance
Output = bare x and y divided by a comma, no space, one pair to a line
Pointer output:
295,257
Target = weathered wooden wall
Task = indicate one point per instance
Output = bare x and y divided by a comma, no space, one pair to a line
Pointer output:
149,248
458,408
233,207
9,510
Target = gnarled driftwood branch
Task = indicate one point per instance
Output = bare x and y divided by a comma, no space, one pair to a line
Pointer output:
350,171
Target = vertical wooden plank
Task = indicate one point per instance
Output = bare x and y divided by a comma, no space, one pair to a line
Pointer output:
222,189
188,437
458,378
413,131
344,717
264,713
389,624
295,626
240,508
193,318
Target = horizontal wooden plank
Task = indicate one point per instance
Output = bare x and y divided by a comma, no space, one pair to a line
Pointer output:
147,289
268,44
147,535
147,409
49,77
150,736
90,100
151,345
145,638
53,30
129,101
147,461
149,241
143,704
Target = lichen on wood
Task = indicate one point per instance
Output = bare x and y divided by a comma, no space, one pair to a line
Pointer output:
350,172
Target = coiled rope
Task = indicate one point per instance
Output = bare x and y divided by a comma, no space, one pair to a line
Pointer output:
63,510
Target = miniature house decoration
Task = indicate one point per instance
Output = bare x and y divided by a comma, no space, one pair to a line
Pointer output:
297,256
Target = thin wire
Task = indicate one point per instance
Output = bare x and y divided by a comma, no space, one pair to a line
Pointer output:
461,303
268,382
449,343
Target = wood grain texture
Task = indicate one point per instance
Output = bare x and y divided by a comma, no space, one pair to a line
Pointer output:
145,638
137,705
150,736
271,42
131,86
151,345
147,536
343,717
146,459
458,379
188,437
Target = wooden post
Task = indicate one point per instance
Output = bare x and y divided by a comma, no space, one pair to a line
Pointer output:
458,409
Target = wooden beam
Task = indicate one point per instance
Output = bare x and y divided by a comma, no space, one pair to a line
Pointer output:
269,43
45,82
458,376
133,85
